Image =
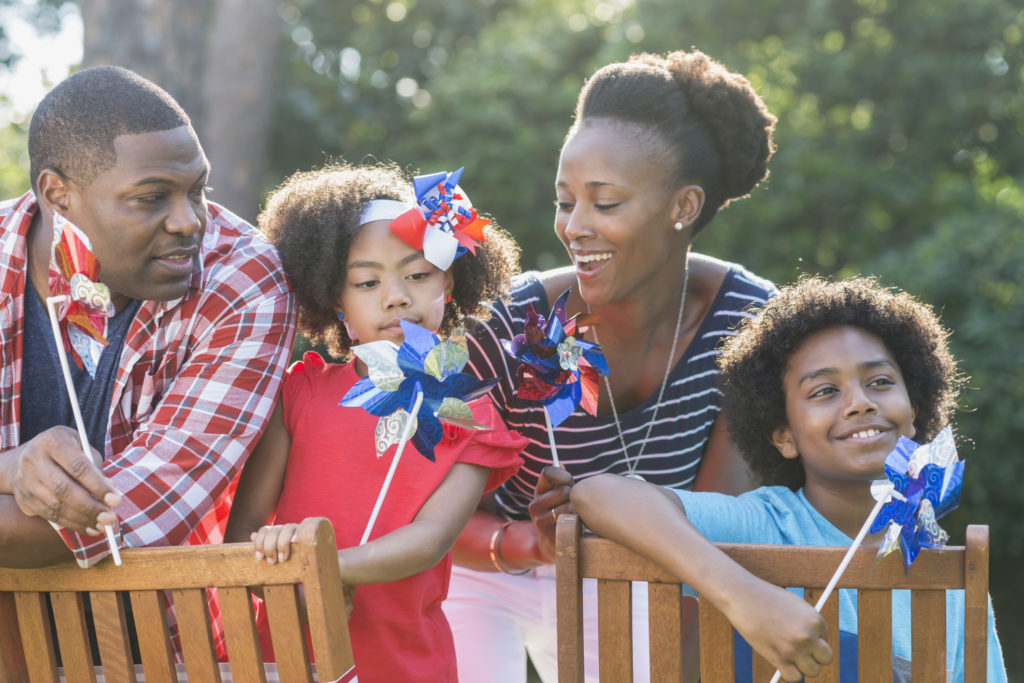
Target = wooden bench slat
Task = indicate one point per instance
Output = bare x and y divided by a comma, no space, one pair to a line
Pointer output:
240,634
716,664
928,635
287,632
154,636
12,654
34,617
615,630
665,620
874,635
111,624
197,648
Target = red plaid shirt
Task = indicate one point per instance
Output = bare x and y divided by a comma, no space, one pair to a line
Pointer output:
196,383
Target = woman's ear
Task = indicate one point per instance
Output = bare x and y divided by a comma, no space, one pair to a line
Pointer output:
688,204
782,439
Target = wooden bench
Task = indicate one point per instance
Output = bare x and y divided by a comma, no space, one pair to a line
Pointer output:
956,567
183,574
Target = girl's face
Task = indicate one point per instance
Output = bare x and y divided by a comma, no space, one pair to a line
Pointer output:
386,281
615,211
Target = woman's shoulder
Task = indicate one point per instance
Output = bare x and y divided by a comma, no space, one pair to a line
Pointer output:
730,281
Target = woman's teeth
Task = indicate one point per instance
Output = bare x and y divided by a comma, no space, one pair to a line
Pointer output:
590,258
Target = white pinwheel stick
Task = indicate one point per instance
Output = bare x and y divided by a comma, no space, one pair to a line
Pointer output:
551,439
51,303
882,500
406,435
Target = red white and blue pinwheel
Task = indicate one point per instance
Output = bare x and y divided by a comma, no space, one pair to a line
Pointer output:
445,225
922,485
85,304
422,365
557,367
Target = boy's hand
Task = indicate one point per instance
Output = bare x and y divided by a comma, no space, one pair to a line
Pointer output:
784,629
274,542
550,499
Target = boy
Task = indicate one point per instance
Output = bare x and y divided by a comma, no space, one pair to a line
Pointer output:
821,383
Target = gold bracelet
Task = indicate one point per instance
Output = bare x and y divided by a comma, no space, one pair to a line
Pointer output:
495,549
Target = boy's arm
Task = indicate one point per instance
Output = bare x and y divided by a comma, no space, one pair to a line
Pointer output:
425,541
652,522
259,485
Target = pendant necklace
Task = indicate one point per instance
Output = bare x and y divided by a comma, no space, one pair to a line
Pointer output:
631,463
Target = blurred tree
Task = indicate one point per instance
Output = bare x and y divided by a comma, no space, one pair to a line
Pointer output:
216,58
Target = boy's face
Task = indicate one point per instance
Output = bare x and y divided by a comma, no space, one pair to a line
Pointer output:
847,405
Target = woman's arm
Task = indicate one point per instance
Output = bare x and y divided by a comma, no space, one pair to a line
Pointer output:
259,485
422,543
722,468
652,522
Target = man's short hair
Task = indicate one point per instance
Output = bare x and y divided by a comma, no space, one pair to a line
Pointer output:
75,125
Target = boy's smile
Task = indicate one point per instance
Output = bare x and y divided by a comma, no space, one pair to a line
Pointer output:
847,405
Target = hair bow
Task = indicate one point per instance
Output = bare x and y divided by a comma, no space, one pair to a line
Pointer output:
444,224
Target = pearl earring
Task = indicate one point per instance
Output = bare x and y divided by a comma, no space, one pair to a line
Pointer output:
678,226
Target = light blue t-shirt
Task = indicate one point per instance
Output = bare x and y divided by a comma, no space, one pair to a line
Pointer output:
777,515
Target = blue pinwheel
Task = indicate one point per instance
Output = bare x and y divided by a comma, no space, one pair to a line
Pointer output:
557,367
421,366
922,485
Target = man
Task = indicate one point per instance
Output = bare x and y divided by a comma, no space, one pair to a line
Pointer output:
203,326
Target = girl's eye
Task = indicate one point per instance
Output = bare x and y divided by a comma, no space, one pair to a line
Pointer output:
365,284
606,207
419,276
881,381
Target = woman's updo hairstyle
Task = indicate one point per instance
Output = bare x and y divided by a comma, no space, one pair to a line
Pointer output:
718,129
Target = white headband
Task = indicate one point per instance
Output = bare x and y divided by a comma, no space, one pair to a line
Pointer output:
383,210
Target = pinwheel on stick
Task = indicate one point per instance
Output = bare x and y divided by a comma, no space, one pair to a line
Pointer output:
557,367
922,484
412,388
79,308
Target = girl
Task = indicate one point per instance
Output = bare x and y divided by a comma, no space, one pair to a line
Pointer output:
355,279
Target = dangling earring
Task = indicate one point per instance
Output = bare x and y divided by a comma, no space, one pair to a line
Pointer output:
678,226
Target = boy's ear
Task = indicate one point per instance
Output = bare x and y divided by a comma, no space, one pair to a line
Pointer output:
53,190
782,439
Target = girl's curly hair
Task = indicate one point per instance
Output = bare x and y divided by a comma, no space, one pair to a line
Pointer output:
754,361
312,219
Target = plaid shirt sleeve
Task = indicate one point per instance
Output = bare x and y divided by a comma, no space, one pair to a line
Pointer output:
175,447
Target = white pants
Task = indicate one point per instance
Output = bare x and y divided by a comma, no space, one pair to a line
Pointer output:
496,619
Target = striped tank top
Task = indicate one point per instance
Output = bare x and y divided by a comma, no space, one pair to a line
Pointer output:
589,445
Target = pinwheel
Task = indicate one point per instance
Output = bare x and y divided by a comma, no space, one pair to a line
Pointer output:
922,484
444,225
557,367
412,388
925,485
79,309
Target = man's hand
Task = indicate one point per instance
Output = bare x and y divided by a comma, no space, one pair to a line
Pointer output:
50,477
550,499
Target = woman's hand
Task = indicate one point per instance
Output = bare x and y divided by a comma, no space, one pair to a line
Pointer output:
550,499
274,542
783,628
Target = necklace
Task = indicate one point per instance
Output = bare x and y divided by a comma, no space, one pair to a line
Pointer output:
631,463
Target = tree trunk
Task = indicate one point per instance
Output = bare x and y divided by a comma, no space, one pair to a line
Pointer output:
216,58
238,89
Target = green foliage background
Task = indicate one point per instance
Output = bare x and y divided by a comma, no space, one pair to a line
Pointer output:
900,154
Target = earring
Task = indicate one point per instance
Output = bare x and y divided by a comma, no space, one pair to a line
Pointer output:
341,316
448,298
678,226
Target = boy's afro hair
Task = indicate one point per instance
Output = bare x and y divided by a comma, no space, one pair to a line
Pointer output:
754,361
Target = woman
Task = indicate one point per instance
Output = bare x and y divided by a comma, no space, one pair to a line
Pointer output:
657,147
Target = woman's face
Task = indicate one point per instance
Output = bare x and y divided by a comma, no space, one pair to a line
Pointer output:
615,211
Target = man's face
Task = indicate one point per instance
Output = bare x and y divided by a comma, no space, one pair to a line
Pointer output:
146,215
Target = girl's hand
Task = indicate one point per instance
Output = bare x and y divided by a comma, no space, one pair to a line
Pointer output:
784,629
550,499
274,542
